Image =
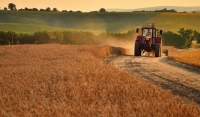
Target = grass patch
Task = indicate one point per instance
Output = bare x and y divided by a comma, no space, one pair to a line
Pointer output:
32,28
28,28
174,21
101,22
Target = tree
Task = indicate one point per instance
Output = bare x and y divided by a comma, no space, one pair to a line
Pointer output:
12,6
64,11
41,37
102,10
35,9
21,9
48,9
198,37
173,39
55,10
188,35
26,9
26,39
4,38
5,8
42,10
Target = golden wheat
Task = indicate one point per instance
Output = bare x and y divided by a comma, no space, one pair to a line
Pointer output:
190,57
62,81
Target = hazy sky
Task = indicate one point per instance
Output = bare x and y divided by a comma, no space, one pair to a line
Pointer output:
95,5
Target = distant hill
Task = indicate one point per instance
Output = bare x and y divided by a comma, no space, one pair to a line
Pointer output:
30,21
177,8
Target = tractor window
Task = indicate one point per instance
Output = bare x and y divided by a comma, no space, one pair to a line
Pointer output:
147,32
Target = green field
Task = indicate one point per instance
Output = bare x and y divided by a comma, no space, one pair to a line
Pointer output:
30,21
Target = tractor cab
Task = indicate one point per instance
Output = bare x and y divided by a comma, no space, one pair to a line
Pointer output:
147,32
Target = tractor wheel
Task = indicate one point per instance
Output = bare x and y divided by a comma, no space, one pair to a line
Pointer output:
157,50
137,49
166,52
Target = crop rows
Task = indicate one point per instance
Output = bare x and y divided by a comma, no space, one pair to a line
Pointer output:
63,80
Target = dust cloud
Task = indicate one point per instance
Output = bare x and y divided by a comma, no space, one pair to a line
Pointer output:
127,45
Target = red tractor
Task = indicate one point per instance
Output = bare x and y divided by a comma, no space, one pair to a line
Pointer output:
148,41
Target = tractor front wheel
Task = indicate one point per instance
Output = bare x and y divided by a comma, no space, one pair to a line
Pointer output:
137,49
157,50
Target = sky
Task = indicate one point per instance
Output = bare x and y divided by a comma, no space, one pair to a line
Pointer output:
95,5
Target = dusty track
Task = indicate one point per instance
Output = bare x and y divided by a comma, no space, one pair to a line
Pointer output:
161,71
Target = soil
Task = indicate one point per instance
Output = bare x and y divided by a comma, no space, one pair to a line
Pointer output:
182,80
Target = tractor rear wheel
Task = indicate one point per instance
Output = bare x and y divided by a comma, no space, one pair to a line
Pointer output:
137,49
157,50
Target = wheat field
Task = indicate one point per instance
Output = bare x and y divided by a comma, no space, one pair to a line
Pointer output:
73,81
190,57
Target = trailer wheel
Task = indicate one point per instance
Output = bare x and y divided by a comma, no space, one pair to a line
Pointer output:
166,52
157,50
137,49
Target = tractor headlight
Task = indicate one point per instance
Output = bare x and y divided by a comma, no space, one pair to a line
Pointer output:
147,39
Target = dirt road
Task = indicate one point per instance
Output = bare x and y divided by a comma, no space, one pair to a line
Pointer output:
180,79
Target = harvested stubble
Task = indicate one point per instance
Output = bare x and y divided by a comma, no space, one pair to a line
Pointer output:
62,80
190,57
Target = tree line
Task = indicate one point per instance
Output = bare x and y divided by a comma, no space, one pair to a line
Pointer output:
162,10
182,39
63,37
13,7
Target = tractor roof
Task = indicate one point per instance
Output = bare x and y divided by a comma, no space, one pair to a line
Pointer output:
150,26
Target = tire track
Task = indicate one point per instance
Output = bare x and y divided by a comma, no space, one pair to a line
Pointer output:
168,76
